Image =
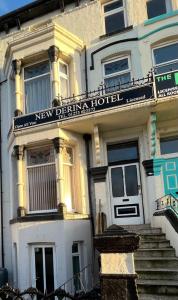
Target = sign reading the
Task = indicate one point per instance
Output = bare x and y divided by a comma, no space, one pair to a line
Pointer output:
166,84
83,107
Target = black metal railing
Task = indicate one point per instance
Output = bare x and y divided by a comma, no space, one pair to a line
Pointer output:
103,89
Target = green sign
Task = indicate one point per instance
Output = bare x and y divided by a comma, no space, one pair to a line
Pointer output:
166,84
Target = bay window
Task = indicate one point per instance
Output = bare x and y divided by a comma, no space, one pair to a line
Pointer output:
37,87
114,15
41,173
117,74
166,58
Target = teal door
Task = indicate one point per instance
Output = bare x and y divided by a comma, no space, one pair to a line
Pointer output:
170,176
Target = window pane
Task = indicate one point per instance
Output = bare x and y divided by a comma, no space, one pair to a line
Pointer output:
122,152
75,248
116,66
40,155
39,269
117,182
131,181
155,8
49,269
117,82
36,70
64,87
169,145
76,270
166,53
114,22
167,68
63,68
113,5
37,94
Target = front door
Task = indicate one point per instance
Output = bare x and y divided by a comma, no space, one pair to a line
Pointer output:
125,187
170,176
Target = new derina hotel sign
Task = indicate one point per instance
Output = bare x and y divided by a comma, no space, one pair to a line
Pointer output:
166,84
87,106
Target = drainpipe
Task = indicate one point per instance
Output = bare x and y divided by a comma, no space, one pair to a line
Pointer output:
87,139
86,73
2,233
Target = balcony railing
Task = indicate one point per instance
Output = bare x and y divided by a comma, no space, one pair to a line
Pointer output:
104,90
167,202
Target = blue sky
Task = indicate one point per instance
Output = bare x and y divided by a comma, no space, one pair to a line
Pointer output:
9,5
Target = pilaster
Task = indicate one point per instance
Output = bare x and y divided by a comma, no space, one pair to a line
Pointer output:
17,67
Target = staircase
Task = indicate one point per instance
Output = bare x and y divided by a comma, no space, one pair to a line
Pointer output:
155,264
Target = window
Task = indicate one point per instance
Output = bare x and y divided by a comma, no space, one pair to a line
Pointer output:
166,58
157,7
169,145
114,14
77,264
119,153
41,174
68,164
37,87
117,74
64,80
43,268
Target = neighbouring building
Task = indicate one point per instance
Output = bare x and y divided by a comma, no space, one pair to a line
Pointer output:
89,126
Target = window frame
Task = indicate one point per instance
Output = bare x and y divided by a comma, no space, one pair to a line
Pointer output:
80,254
66,77
33,270
167,155
168,4
162,64
25,80
116,10
129,70
27,179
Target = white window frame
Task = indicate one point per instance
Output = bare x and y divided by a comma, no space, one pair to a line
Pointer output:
64,76
72,166
112,12
162,64
168,8
27,180
25,80
129,70
80,255
33,271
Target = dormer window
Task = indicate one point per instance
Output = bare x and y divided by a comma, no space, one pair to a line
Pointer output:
37,87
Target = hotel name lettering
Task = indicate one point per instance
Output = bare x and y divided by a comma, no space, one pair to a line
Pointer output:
89,106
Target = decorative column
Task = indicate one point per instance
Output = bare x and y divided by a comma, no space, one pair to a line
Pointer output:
117,273
53,53
59,145
17,66
19,153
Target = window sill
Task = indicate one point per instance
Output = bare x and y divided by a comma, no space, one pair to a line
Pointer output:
161,17
49,217
116,32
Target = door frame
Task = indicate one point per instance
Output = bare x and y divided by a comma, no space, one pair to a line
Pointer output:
141,144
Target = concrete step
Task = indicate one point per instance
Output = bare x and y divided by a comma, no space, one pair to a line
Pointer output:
153,237
143,229
156,262
137,227
152,244
164,274
163,252
157,287
157,297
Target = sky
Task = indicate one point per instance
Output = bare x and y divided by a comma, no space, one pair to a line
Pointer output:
9,5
